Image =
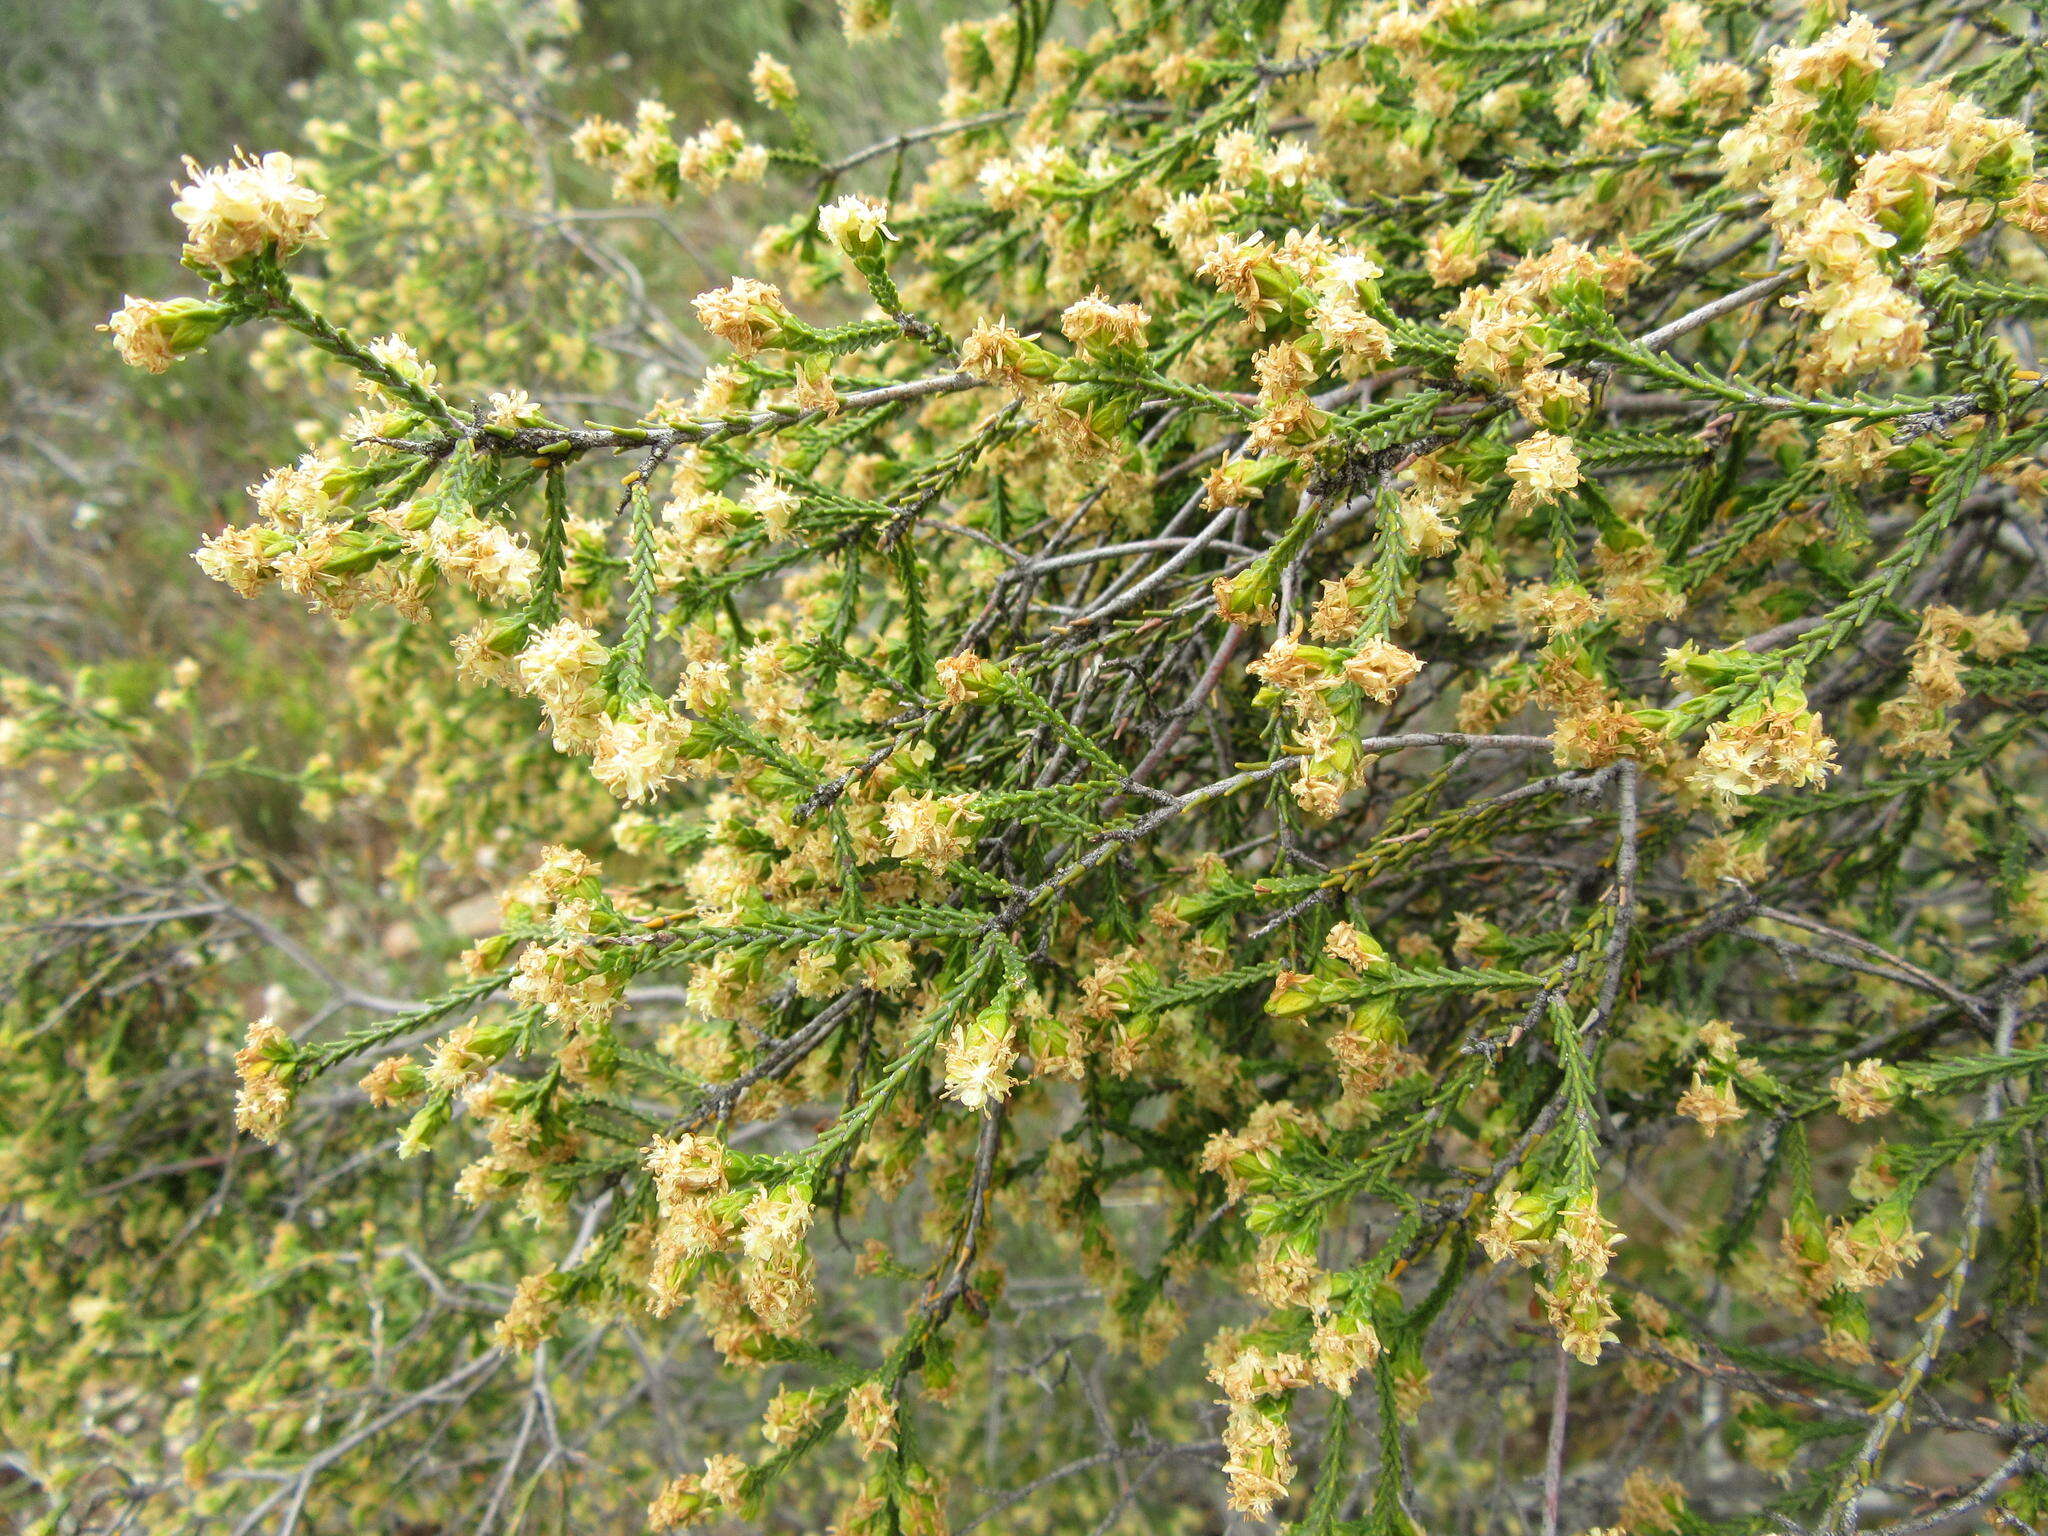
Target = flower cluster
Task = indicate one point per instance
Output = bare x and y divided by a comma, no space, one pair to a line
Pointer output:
247,206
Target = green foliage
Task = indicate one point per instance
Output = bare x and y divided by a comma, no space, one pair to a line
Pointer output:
1321,753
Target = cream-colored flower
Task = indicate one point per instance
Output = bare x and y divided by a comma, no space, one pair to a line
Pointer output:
773,83
154,333
1710,1105
1543,467
747,313
235,210
1381,669
854,223
929,829
640,752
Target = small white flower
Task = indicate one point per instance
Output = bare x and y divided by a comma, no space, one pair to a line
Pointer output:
854,222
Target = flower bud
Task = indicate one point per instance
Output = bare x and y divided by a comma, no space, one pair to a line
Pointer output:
1238,482
1297,992
970,678
428,1123
352,551
1379,1022
154,333
1700,670
1249,597
1847,1320
491,951
1105,408
395,1080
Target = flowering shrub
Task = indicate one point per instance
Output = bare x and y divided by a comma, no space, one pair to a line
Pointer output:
1332,712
